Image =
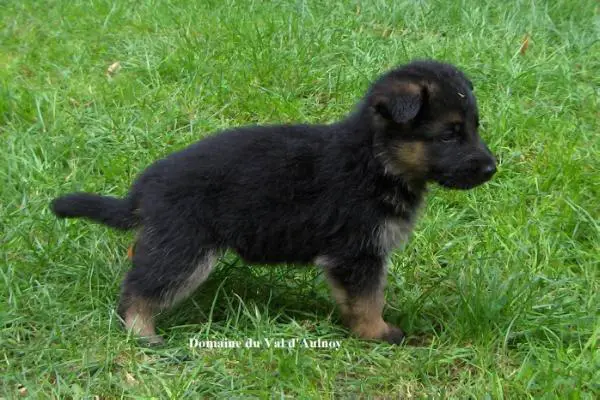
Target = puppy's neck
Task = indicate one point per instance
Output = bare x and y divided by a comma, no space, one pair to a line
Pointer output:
398,197
363,128
388,157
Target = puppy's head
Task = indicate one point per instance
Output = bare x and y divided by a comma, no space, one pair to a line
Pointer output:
425,121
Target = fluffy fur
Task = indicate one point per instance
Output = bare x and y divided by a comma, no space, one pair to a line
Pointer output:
342,195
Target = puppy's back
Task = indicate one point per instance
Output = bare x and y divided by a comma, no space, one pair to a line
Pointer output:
272,193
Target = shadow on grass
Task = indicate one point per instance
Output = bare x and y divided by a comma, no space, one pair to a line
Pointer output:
239,294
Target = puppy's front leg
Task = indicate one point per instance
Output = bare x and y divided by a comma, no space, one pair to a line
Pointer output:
358,288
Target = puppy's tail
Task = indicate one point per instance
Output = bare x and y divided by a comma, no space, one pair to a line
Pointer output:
114,212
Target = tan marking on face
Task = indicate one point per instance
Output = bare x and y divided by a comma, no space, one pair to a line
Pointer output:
445,122
452,118
410,160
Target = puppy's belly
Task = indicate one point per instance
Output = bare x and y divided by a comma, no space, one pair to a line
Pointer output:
278,249
275,257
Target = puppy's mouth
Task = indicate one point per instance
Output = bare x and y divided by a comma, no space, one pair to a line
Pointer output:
462,183
468,177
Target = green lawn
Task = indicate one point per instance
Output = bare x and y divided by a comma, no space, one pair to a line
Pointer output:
499,289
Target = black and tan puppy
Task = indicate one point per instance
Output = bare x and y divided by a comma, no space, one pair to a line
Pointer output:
341,196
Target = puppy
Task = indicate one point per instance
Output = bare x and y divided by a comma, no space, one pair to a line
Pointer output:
341,196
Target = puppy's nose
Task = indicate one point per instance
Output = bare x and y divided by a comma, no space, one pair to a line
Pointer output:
488,170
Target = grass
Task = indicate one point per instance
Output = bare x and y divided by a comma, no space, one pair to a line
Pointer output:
499,288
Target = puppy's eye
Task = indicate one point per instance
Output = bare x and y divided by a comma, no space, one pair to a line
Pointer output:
451,134
448,137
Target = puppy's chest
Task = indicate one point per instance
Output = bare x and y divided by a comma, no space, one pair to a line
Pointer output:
400,206
398,203
393,233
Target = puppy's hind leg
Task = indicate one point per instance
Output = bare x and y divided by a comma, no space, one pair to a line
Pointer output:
358,286
164,273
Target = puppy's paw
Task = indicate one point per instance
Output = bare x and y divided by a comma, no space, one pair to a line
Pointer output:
394,335
151,341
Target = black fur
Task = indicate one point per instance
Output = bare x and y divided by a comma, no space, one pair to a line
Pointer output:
300,193
111,211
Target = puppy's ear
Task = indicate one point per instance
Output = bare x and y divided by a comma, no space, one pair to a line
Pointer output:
401,103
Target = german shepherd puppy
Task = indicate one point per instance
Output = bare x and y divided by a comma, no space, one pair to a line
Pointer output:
342,196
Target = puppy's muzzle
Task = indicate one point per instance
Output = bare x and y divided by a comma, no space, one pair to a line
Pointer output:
481,166
487,164
478,167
